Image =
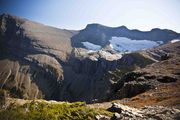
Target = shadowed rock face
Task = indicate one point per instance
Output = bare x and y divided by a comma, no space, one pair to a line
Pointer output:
38,61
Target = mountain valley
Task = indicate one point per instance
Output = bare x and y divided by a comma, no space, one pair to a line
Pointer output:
98,65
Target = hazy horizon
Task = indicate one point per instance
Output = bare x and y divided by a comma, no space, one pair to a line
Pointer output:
143,15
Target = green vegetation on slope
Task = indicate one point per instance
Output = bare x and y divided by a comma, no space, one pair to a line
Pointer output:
41,110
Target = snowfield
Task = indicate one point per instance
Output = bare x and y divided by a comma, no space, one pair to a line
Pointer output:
91,46
123,44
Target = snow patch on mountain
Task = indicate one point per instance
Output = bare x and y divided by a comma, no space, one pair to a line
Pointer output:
175,40
123,44
160,42
91,46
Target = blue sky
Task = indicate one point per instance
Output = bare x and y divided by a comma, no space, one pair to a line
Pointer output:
76,14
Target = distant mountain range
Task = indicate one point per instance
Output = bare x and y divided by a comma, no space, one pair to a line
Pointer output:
100,35
39,61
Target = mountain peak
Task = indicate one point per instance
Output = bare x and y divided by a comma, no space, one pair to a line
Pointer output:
95,26
12,17
122,27
5,14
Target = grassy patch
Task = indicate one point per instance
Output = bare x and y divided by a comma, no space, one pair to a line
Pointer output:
36,110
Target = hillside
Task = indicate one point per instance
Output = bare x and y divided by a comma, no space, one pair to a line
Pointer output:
39,61
118,73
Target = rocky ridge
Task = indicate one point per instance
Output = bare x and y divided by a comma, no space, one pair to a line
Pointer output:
100,35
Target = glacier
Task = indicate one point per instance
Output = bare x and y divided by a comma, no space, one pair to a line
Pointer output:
123,44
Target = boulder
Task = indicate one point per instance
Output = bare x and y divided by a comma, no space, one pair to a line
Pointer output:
117,116
115,108
102,117
149,76
125,111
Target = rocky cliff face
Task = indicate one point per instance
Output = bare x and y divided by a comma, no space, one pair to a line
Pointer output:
39,61
31,57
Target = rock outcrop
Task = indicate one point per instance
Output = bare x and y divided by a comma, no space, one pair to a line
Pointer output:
123,112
